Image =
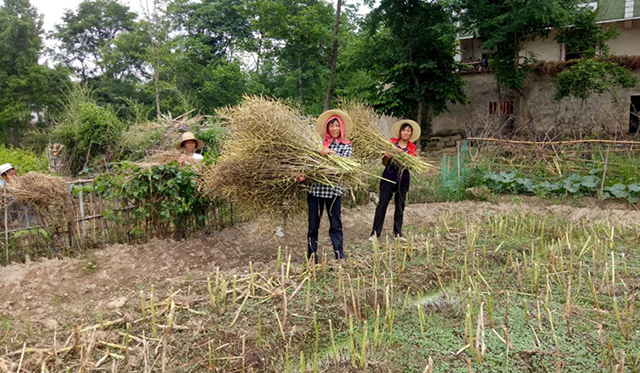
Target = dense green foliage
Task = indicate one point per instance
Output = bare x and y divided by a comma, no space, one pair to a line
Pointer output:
504,26
592,76
26,87
409,50
585,37
87,130
176,56
165,196
23,160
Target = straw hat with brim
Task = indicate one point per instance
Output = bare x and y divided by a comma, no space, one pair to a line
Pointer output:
415,133
321,124
189,136
5,167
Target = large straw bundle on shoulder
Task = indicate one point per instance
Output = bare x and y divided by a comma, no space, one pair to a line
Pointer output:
370,144
45,194
270,144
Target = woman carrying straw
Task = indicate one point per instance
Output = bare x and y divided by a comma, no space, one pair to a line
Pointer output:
334,126
404,132
188,144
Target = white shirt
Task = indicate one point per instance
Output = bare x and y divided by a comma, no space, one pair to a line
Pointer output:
197,157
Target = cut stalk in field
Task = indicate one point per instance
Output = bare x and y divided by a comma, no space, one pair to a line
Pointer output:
490,310
363,352
233,293
421,313
153,314
212,299
260,327
284,296
143,305
333,343
316,344
352,344
376,327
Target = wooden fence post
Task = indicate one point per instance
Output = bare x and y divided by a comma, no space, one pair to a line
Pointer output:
604,173
6,221
82,222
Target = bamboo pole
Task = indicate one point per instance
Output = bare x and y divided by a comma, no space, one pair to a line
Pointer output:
82,222
590,141
604,173
6,222
458,160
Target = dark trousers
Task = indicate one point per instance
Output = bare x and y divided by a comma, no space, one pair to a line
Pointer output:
387,190
316,207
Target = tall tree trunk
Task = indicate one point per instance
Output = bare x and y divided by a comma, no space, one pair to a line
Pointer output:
16,134
419,120
334,58
156,78
300,78
420,101
519,104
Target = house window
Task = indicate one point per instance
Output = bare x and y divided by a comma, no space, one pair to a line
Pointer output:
504,107
572,55
634,114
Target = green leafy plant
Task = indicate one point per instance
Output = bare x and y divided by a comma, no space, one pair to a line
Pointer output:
165,197
573,184
592,76
23,160
87,130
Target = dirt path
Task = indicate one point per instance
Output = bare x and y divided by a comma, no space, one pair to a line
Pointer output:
52,292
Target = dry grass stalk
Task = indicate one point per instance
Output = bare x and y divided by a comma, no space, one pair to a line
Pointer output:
370,144
165,157
161,136
270,143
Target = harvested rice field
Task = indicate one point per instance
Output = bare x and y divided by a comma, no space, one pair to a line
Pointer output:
519,285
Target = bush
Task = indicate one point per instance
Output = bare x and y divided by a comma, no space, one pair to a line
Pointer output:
90,131
166,197
23,160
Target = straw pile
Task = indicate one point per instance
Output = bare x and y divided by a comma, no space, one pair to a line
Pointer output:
370,144
42,193
148,139
165,157
270,144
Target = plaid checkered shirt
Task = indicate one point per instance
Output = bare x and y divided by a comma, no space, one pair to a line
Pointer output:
326,191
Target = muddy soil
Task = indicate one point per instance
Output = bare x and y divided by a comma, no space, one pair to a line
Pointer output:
50,293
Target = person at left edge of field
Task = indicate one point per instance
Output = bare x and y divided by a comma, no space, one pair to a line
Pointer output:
334,126
189,144
7,173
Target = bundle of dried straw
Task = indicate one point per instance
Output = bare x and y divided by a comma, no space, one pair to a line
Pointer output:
270,143
370,144
44,194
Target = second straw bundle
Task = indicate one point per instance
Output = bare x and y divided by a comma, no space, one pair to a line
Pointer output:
370,144
270,144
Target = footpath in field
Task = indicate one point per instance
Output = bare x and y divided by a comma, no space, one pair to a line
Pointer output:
49,293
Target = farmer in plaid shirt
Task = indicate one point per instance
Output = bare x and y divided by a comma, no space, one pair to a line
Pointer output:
333,126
